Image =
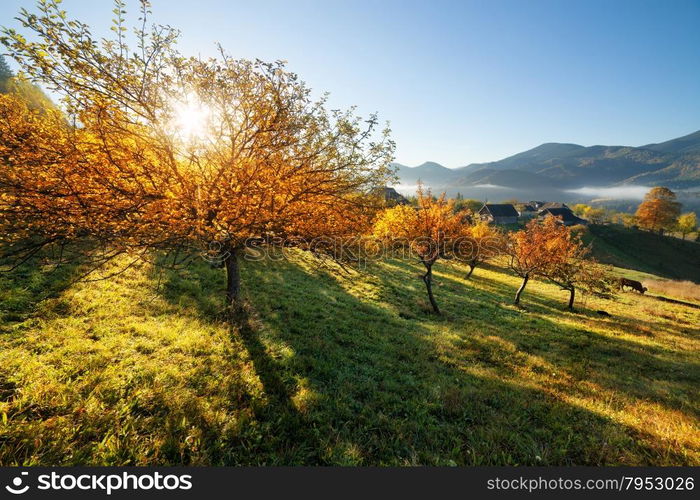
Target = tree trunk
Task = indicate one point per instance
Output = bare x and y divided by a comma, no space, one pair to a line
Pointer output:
428,280
572,291
526,278
233,278
472,266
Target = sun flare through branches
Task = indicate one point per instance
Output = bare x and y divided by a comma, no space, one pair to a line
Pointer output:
191,118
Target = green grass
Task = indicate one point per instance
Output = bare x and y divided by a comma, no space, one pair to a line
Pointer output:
340,369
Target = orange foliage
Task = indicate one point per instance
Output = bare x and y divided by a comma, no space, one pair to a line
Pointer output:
430,231
570,266
659,210
533,250
479,243
551,250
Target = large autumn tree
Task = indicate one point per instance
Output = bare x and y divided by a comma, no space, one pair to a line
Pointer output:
659,210
429,232
159,151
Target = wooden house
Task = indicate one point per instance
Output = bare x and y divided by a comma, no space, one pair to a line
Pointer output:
499,213
567,217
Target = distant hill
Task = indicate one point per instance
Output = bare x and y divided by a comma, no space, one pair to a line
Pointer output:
507,177
430,173
674,163
532,157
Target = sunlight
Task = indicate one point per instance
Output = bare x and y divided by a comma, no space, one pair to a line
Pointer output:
191,117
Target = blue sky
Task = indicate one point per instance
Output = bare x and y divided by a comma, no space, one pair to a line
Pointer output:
465,81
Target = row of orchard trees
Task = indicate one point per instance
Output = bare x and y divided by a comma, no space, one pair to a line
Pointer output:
434,230
117,172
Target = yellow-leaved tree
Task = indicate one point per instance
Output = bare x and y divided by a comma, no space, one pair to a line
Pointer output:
687,223
428,232
480,242
159,151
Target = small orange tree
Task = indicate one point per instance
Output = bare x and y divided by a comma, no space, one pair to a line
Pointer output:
429,231
480,242
659,210
531,251
178,154
569,266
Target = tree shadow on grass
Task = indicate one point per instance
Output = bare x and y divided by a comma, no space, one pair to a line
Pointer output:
350,382
293,435
659,372
614,362
33,288
479,299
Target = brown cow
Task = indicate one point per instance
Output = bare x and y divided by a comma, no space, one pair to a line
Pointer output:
634,284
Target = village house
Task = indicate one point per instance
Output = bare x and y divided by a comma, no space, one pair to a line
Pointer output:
526,211
567,217
502,213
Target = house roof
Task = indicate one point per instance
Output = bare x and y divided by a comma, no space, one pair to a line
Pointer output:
564,212
553,204
500,210
391,195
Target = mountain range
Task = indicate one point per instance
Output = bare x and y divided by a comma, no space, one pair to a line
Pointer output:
674,163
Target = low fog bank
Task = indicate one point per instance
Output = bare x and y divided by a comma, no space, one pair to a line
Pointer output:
622,198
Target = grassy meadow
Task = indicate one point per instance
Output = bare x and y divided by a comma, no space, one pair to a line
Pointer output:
347,369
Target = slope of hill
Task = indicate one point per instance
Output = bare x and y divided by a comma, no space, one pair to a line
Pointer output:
327,369
674,163
682,145
534,156
508,177
645,251
683,173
